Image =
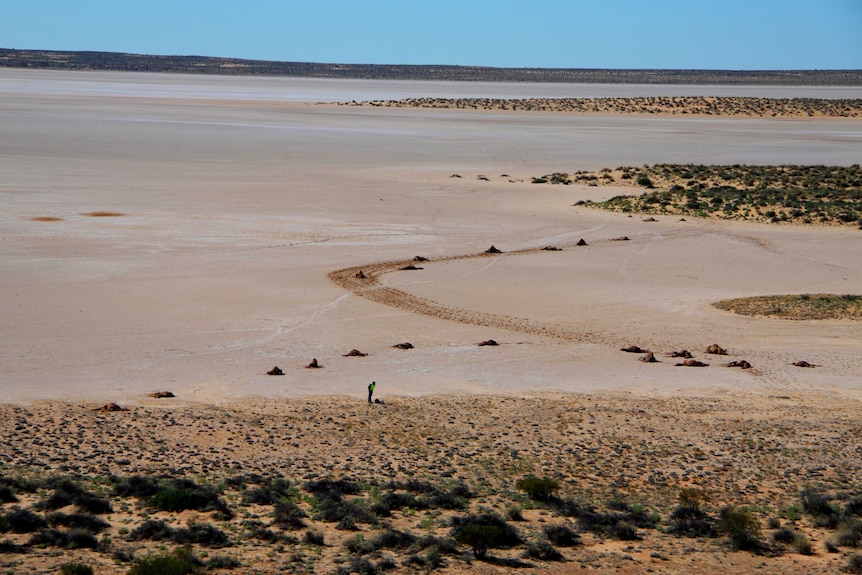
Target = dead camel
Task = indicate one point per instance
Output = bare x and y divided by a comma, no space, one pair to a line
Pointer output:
111,407
488,342
313,364
493,250
634,349
649,358
803,363
161,394
692,363
716,349
420,259
355,353
275,371
680,353
411,267
551,249
739,363
405,345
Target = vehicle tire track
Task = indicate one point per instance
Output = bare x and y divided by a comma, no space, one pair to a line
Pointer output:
363,281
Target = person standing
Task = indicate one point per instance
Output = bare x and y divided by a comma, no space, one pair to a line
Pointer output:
371,387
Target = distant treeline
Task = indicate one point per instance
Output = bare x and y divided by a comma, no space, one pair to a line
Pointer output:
236,67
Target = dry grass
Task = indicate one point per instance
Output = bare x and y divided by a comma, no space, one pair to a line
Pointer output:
798,307
46,219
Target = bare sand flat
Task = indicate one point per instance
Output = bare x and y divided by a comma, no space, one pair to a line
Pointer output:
179,233
220,221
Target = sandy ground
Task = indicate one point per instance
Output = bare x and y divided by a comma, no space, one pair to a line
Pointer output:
164,236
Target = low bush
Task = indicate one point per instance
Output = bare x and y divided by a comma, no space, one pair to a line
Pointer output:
179,562
269,493
78,520
854,564
484,532
66,492
691,521
561,535
741,527
288,515
538,488
542,551
75,568
7,495
140,487
24,521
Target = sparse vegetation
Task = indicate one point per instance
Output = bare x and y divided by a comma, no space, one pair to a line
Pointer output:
825,195
797,307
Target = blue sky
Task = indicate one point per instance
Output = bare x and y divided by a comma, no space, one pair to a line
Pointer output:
713,34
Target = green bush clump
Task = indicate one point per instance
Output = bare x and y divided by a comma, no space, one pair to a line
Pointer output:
543,551
66,492
289,515
181,561
741,527
182,494
538,488
484,532
20,520
75,568
561,535
270,493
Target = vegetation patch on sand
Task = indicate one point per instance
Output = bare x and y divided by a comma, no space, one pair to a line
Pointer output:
830,195
800,307
667,105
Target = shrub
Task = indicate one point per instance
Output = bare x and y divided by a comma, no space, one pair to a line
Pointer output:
223,562
802,545
270,493
392,539
152,529
75,568
543,551
691,521
854,506
183,494
7,495
73,539
179,562
137,486
784,535
540,489
313,537
79,520
200,534
854,564
67,492
483,532
849,532
24,521
561,535
741,527
643,180
289,515
514,513
815,503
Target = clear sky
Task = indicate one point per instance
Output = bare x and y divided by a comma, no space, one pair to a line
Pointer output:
700,34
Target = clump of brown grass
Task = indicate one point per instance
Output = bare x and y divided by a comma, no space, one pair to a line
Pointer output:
798,307
101,214
46,219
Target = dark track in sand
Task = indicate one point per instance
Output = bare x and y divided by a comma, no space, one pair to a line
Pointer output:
369,287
